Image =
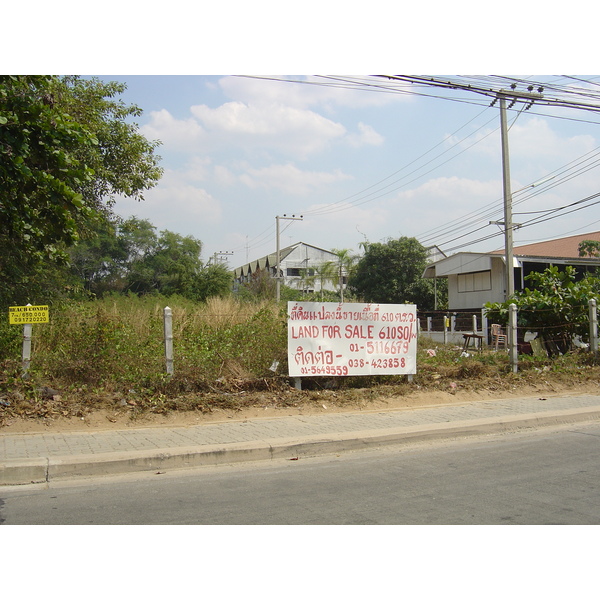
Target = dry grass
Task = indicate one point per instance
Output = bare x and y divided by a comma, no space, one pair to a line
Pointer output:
109,356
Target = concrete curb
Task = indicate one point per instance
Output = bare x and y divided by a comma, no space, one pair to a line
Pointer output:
44,469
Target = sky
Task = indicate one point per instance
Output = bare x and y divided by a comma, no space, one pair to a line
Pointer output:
358,165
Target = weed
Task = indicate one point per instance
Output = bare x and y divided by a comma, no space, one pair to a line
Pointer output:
110,354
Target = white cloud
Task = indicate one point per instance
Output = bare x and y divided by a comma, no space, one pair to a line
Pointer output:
366,136
198,168
288,178
456,189
288,129
417,209
224,176
175,205
293,131
530,140
536,138
175,134
334,229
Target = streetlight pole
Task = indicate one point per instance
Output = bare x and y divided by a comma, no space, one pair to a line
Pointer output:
214,256
278,273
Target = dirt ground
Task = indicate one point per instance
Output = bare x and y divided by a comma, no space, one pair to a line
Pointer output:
265,405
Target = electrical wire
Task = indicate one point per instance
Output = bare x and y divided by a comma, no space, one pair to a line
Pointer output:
563,97
495,208
534,221
316,211
381,193
260,240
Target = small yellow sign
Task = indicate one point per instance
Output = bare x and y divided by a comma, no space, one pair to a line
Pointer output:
22,315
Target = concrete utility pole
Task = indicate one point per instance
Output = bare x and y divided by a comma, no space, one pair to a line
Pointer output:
508,223
508,226
502,96
278,273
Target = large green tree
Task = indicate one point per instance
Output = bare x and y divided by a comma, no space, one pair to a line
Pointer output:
99,261
170,267
130,256
123,161
67,148
392,272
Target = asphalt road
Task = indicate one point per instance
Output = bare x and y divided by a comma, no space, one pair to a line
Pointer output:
541,477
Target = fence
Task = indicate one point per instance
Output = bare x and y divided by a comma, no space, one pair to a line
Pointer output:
551,337
449,327
99,343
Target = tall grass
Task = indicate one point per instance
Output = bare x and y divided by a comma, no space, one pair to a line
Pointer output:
118,342
110,353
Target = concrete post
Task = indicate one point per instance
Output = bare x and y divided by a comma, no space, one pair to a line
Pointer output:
168,322
512,337
484,326
593,327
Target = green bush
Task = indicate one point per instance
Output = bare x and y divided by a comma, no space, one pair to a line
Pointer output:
556,307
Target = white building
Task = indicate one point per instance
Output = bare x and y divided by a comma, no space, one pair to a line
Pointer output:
299,267
476,278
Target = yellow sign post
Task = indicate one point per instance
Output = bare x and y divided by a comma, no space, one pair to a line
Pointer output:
22,315
27,316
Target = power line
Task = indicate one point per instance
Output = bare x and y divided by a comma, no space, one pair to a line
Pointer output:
531,222
340,202
364,200
563,96
493,209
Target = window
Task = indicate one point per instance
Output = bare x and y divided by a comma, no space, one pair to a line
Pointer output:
475,282
294,272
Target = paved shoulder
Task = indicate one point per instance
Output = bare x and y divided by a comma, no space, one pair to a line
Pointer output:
26,458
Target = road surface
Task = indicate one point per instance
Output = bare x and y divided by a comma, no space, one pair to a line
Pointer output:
542,477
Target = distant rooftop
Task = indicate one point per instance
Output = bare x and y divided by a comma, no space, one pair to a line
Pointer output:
567,247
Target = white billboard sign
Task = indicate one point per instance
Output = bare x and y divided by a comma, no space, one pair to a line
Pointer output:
330,338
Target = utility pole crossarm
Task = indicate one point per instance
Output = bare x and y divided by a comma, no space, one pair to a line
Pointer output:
216,254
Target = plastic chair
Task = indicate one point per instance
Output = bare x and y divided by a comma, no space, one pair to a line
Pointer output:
498,337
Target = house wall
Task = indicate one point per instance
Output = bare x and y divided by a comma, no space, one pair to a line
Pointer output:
472,296
475,279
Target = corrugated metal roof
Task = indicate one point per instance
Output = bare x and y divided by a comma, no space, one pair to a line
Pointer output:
271,259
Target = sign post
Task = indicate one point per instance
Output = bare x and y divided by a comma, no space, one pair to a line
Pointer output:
347,339
27,316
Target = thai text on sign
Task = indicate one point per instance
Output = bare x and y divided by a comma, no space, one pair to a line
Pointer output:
22,315
329,338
